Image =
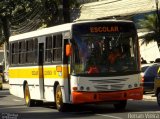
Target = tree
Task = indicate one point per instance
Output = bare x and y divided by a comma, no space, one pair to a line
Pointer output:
19,16
66,11
5,12
10,9
150,23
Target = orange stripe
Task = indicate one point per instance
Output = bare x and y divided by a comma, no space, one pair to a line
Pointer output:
86,97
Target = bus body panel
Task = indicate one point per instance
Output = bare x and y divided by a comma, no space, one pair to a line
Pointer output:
31,74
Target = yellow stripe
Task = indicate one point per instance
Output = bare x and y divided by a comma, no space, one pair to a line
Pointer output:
48,72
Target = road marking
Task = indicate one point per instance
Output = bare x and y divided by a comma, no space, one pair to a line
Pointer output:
114,117
16,100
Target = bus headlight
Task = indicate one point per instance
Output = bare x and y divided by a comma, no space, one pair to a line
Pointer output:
129,86
81,88
135,85
74,88
88,88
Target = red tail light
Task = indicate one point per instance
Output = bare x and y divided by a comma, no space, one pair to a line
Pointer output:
142,81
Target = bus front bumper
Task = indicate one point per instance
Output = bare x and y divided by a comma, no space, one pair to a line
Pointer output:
93,97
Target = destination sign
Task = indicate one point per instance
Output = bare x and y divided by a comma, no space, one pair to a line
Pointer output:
104,29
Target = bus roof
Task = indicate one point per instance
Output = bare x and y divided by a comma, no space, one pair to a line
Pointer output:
96,20
56,29
42,32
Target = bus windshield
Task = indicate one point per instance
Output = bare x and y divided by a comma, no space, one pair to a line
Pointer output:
97,53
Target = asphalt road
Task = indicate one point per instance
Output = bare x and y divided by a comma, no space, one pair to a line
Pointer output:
12,107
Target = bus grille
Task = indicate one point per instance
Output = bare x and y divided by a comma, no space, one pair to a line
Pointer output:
109,84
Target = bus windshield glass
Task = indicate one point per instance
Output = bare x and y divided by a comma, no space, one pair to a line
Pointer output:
104,48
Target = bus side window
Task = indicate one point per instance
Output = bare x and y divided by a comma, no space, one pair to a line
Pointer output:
57,48
12,53
15,56
35,50
29,51
48,50
23,53
20,51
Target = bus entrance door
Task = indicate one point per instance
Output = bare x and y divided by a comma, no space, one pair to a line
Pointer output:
41,72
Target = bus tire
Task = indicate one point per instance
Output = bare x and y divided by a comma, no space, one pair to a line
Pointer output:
121,105
28,101
158,98
59,100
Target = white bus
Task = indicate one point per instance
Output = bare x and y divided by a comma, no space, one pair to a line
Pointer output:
71,64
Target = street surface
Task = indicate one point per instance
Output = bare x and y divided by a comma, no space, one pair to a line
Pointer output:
12,107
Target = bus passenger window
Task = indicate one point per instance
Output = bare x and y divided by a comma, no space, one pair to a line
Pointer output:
57,48
48,51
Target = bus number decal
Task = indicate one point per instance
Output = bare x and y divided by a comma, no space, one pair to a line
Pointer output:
34,72
48,72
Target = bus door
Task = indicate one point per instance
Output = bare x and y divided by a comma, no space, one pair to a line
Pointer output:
41,71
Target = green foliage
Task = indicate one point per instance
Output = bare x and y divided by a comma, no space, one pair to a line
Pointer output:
151,24
27,15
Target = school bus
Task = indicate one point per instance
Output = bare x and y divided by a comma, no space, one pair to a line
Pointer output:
69,64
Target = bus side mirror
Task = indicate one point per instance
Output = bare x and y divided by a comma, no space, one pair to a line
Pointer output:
68,50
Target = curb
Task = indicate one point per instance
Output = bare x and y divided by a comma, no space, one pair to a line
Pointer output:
150,97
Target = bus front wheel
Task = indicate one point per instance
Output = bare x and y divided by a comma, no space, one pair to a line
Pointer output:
28,101
121,105
59,100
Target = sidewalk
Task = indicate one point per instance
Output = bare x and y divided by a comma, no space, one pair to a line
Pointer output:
149,97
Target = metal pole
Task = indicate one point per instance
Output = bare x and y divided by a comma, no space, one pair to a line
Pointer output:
6,61
158,17
158,22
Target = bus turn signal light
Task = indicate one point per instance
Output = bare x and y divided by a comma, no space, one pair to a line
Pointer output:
58,68
75,88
